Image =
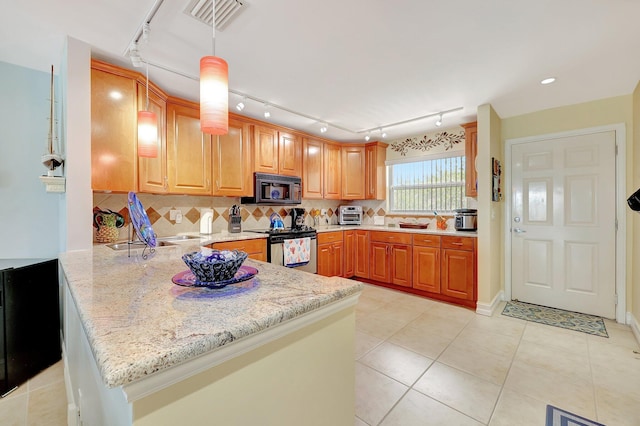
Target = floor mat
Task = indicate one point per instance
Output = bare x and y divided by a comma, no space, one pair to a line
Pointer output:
558,417
556,317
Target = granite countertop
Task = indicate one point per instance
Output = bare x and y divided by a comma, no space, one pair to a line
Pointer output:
138,322
452,232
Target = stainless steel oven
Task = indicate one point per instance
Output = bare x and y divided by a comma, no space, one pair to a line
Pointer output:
275,244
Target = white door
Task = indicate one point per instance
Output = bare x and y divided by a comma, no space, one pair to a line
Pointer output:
563,213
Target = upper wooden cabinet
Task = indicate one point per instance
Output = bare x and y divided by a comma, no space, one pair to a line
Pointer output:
376,176
277,152
188,151
471,152
353,172
114,106
152,172
232,174
313,169
332,172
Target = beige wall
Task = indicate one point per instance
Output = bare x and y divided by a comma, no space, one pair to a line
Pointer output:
633,226
601,112
490,217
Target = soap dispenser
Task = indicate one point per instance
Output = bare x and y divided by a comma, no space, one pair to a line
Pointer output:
206,221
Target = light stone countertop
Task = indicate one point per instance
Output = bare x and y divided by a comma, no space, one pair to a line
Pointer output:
138,322
452,232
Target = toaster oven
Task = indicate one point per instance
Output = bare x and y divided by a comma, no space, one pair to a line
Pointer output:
350,215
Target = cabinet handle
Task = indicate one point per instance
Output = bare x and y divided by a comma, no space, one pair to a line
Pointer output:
456,244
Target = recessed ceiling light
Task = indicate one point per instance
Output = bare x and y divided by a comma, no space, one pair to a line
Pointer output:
548,80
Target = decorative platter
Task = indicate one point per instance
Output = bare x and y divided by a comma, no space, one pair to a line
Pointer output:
187,279
140,220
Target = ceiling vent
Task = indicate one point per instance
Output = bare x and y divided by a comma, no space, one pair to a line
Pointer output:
202,10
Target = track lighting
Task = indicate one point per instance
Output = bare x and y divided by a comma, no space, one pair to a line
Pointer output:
240,105
439,121
134,55
366,138
323,127
383,134
267,113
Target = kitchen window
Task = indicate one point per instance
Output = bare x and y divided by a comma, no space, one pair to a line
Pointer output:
427,185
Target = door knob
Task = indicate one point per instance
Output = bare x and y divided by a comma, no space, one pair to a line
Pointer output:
519,231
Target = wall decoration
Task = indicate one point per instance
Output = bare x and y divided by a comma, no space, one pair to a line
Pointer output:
496,171
446,139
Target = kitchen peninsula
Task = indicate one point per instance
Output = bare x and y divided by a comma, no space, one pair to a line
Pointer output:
276,349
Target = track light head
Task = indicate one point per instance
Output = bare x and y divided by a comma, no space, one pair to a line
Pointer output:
267,113
366,138
323,127
134,55
439,120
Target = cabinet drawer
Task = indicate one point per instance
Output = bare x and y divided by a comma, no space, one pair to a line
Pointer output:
390,237
329,237
249,246
426,240
460,243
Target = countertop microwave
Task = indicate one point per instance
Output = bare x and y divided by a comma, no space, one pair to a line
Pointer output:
275,190
350,215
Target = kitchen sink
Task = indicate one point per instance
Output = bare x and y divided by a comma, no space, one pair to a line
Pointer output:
125,246
178,238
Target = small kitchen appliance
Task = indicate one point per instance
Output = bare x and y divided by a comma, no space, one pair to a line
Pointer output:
350,215
275,190
466,220
634,201
297,218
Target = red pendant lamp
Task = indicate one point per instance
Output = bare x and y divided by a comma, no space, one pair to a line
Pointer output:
147,130
214,90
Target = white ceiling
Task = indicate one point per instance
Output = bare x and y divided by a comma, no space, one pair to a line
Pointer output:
358,64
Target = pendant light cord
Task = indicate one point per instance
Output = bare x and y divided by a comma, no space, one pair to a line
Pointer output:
147,107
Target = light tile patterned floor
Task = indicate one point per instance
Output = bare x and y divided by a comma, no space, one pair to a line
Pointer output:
421,362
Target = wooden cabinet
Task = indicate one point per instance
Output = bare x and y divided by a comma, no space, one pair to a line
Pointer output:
471,152
362,254
376,176
330,254
277,152
349,239
152,172
232,172
353,172
188,150
391,257
313,169
255,248
332,171
458,278
114,106
426,262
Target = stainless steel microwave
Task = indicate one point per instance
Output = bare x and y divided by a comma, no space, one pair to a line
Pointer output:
275,190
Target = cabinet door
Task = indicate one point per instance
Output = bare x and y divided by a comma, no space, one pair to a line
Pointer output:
113,132
232,162
188,152
255,248
353,173
325,260
152,172
376,173
379,264
265,141
349,253
401,261
338,259
289,155
470,153
458,274
362,254
426,268
312,169
332,172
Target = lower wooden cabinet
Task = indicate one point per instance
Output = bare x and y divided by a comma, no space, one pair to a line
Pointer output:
458,268
391,257
362,254
330,254
255,248
349,238
426,269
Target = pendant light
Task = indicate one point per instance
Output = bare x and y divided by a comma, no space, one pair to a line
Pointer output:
147,129
214,90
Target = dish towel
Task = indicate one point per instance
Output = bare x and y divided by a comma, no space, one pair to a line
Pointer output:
297,252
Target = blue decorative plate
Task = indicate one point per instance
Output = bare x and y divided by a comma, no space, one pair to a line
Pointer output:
187,279
140,220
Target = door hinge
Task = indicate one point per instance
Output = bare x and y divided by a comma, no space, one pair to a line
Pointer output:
615,299
616,149
616,224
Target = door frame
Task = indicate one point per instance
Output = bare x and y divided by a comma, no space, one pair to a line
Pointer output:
620,214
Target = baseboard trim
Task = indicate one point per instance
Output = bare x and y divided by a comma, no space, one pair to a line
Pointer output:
635,326
489,308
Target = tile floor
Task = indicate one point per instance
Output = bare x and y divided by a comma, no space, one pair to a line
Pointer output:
422,362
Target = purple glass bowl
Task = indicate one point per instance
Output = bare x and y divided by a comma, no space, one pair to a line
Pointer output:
219,265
